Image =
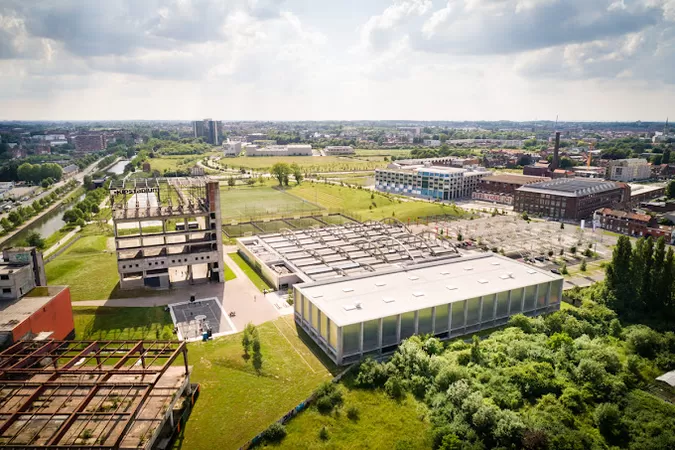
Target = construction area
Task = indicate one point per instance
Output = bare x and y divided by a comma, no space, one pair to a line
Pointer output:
100,394
167,232
298,256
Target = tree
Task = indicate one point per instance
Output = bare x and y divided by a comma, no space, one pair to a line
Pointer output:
670,189
583,265
666,156
6,224
231,182
297,173
257,355
573,249
280,171
88,182
250,181
35,240
14,218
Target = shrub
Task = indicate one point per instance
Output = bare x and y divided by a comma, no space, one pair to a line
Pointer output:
323,434
274,433
371,374
394,387
608,418
353,413
328,396
521,321
643,340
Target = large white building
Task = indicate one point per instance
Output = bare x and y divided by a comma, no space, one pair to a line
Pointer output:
339,150
231,149
433,182
632,169
281,150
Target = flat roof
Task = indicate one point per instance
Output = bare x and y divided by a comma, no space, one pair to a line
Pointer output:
571,187
13,312
420,286
639,189
513,178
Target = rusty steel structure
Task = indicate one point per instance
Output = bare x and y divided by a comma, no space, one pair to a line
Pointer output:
89,394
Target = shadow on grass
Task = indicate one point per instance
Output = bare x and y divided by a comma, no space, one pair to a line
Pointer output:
111,323
316,350
118,293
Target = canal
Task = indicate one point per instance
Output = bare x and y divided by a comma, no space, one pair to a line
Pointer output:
118,168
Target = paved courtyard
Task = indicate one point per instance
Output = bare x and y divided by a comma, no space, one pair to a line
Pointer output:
192,319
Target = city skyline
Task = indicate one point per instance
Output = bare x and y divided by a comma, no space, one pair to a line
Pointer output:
295,60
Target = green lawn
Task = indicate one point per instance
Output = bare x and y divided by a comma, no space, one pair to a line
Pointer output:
382,152
111,323
89,270
359,202
229,275
235,403
383,423
256,279
243,203
307,163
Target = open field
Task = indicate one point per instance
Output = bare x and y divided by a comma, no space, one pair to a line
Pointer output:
256,279
89,270
359,202
383,423
235,403
110,323
356,179
307,163
404,153
245,202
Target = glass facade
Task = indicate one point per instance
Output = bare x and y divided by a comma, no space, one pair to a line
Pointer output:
407,324
315,318
542,293
473,311
502,304
371,335
305,309
389,330
441,322
488,308
516,301
351,339
530,297
332,335
323,321
458,314
425,321
297,302
555,291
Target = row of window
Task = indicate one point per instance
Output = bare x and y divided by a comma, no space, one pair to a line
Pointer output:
173,261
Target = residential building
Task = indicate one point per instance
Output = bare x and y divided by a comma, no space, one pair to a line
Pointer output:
208,129
626,170
339,150
231,149
632,224
501,187
450,161
89,143
432,182
570,198
589,171
70,170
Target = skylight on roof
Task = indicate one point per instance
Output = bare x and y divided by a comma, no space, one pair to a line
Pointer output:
349,307
445,273
347,289
380,284
506,276
531,271
388,299
418,294
468,268
413,277
451,288
483,281
317,295
495,263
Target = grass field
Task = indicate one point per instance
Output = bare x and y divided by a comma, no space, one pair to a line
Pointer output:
256,279
360,179
359,202
383,423
243,203
110,323
229,275
235,403
87,268
307,163
382,152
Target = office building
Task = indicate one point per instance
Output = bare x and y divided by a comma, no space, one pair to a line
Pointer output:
570,198
185,245
232,149
631,169
280,150
207,129
332,150
432,182
501,188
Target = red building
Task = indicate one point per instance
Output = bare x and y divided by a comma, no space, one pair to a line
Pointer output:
89,143
43,309
632,224
501,188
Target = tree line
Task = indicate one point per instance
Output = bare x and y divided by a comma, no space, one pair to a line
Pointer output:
36,173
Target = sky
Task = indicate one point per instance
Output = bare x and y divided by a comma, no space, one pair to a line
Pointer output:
611,60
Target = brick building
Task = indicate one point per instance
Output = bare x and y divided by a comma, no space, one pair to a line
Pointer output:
501,188
570,198
89,143
632,224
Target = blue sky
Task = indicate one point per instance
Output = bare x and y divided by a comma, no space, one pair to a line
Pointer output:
348,59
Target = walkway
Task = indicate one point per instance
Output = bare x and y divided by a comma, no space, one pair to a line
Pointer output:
61,241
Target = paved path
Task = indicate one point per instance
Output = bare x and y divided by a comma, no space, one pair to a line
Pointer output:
61,241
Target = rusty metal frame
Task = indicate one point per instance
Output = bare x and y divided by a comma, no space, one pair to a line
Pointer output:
20,363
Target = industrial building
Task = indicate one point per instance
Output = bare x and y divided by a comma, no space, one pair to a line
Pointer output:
432,182
571,198
21,269
332,150
363,288
280,150
103,394
500,188
231,149
632,169
373,313
167,231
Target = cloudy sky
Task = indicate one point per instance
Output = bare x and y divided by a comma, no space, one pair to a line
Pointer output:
339,59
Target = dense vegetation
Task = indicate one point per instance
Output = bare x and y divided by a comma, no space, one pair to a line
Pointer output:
571,380
36,173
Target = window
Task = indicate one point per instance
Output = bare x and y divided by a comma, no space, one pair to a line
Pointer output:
371,334
516,301
488,308
351,337
473,311
389,330
441,322
6,291
407,324
425,321
4,277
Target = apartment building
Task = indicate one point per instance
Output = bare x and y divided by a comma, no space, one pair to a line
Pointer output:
432,182
627,170
89,143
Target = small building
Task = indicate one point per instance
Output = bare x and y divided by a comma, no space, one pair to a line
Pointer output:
501,187
589,171
632,169
623,222
197,171
640,193
280,150
21,269
432,142
70,170
570,198
339,150
231,149
89,143
146,167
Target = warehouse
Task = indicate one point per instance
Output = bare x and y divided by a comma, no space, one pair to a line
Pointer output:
371,313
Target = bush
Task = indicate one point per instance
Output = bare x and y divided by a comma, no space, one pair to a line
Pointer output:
394,387
353,413
275,433
643,340
608,418
521,321
328,396
323,434
371,374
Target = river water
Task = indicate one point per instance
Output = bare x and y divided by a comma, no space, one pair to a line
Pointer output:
118,168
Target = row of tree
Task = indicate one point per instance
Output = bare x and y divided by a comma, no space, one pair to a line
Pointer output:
85,209
250,341
35,173
283,171
640,279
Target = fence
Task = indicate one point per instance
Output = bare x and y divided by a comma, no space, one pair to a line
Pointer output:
294,412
